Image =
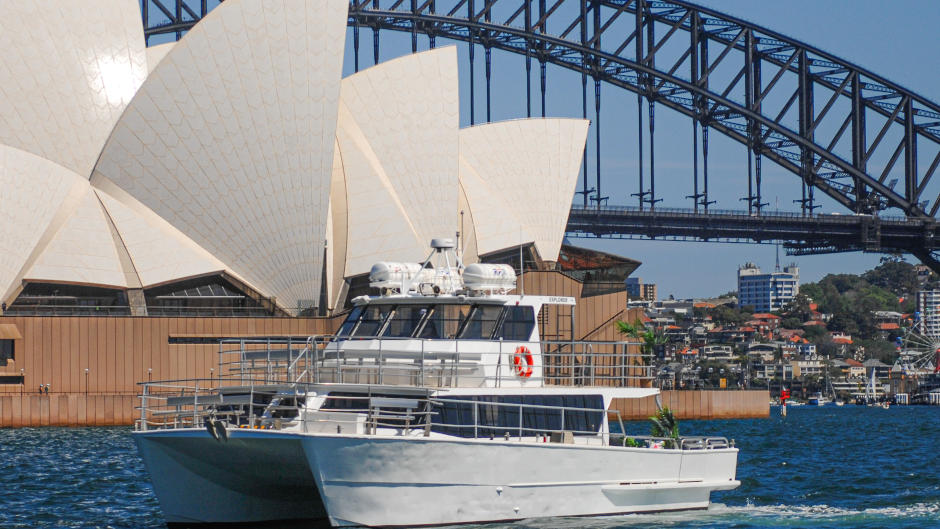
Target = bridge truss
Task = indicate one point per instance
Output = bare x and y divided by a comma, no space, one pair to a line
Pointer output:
838,128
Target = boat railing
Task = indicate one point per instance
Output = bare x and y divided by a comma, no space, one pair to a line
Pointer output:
169,405
429,362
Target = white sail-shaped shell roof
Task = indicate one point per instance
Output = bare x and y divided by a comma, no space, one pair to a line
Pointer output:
155,54
159,252
67,71
398,135
240,150
519,177
36,198
83,250
231,139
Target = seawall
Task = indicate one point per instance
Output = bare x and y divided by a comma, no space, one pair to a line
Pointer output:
64,409
79,409
704,404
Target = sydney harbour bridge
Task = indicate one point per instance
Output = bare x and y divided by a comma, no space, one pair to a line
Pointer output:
844,134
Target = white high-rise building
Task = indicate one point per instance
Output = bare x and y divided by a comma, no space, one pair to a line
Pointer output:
928,309
767,292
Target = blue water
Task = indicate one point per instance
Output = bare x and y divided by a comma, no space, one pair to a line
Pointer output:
849,467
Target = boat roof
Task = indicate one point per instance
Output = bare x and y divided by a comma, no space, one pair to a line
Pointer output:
607,392
495,299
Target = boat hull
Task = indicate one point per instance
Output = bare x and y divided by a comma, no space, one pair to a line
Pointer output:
381,481
247,479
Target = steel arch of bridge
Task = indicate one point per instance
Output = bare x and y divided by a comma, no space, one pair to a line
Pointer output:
668,52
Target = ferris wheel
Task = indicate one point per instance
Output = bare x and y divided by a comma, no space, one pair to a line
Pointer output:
919,347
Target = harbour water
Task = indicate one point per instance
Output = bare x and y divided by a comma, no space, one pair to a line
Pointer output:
849,467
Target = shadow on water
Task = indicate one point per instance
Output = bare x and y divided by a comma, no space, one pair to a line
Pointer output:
850,467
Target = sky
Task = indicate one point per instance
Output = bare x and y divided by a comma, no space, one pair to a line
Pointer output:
897,40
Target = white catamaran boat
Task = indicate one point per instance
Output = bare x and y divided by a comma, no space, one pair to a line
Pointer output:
435,403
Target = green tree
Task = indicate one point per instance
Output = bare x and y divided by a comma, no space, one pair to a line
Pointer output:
814,333
894,275
649,338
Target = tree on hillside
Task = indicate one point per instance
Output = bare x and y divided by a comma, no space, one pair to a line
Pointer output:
814,333
894,275
725,315
798,308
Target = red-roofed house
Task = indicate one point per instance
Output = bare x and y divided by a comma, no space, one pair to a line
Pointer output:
841,338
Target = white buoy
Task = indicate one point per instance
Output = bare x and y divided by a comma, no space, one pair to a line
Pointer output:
783,409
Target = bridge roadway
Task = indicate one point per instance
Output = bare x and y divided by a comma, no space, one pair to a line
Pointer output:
821,233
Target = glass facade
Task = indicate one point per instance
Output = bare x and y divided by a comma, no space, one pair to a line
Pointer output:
767,292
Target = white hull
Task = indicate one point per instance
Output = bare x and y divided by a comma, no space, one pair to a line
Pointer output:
358,480
200,480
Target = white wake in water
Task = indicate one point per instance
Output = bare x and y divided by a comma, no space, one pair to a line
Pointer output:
750,515
823,511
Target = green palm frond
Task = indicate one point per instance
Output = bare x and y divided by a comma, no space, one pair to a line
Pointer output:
665,424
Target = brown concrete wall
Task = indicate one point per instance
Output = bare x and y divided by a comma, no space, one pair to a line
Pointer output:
594,315
114,409
67,410
118,351
730,404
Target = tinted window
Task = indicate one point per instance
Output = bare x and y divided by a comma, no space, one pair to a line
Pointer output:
481,322
405,321
444,321
372,319
456,418
350,322
518,323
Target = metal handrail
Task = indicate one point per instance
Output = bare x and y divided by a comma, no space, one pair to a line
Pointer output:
387,416
442,363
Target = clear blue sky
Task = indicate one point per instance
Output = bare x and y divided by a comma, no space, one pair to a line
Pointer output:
897,40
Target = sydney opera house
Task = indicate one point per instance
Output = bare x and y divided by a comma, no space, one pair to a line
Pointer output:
234,173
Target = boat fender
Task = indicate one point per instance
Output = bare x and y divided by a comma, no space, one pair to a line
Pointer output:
522,361
220,432
210,427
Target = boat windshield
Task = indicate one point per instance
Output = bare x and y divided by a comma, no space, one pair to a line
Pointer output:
371,320
481,322
405,321
350,322
443,321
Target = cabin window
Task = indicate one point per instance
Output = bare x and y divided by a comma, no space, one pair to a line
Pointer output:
457,418
350,323
372,320
405,321
444,321
481,322
518,323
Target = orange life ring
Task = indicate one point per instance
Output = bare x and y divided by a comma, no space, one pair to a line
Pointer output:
522,361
